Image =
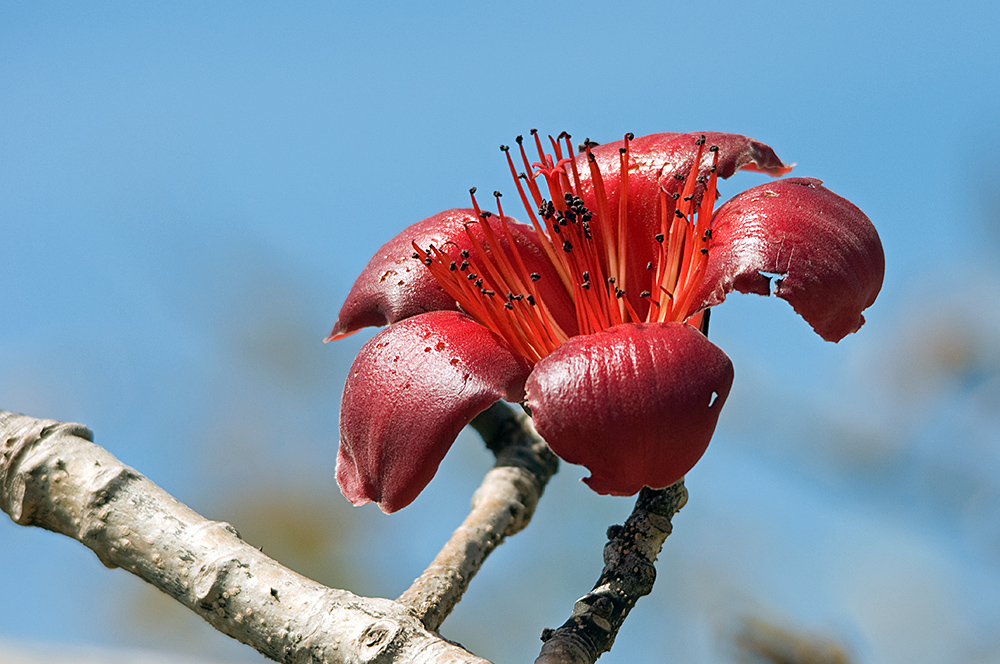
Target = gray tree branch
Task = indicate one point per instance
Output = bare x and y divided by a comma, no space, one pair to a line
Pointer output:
52,476
628,575
502,506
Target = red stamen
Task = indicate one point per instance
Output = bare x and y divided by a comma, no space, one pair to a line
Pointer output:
589,250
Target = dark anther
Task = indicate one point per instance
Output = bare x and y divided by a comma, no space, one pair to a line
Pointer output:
567,247
415,255
563,135
675,195
465,253
611,280
464,266
453,266
622,150
472,191
704,251
688,198
586,275
585,285
428,261
714,148
497,194
519,139
555,227
489,292
618,293
472,275
546,209
507,305
533,131
658,237
535,276
504,148
478,283
531,300
645,293
590,157
708,233
518,297
701,140
630,136
678,176
678,214
702,179
485,214
649,265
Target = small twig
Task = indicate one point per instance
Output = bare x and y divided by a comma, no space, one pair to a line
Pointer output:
761,642
501,506
53,477
628,575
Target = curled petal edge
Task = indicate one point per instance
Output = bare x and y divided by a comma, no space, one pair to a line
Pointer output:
796,239
411,390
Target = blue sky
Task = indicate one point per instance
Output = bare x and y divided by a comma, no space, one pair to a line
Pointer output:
187,192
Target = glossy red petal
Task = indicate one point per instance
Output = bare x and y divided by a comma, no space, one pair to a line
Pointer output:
636,404
410,391
654,161
394,285
825,251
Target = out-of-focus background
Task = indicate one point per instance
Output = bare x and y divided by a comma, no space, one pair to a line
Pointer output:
187,192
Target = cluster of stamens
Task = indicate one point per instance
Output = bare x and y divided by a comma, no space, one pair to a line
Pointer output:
589,250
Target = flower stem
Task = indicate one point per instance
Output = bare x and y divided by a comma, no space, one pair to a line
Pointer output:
503,505
628,575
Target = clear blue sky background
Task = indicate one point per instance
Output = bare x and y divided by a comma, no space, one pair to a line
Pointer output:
187,192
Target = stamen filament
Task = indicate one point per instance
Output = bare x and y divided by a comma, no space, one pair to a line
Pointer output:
588,249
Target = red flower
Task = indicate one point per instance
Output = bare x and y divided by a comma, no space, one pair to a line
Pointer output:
589,314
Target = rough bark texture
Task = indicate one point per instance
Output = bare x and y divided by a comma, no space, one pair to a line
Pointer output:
53,477
628,575
502,506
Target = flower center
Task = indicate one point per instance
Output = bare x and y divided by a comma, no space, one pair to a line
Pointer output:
589,248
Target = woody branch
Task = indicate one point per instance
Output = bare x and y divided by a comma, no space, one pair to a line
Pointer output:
54,477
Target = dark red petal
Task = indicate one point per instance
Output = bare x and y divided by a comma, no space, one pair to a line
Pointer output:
654,160
826,252
394,285
658,157
411,389
636,403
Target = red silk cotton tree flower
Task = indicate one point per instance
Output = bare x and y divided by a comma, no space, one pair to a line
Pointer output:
590,315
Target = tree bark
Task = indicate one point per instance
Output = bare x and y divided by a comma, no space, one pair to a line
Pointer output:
52,476
628,574
502,506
